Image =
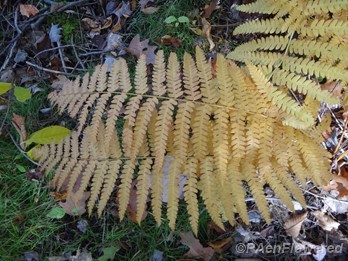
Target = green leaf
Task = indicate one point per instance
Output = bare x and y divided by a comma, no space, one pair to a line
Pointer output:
57,213
48,134
170,19
109,253
4,87
21,168
183,19
21,94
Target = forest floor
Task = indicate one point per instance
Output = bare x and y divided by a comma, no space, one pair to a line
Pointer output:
42,44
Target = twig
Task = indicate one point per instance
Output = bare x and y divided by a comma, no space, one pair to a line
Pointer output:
23,152
45,69
52,49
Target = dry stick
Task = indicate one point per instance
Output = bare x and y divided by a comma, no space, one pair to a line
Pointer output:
341,139
23,152
45,69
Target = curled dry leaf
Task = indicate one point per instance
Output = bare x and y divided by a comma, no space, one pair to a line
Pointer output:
19,124
333,87
206,32
196,248
28,10
325,222
293,224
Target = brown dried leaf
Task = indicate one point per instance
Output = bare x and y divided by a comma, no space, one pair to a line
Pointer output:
91,24
19,124
132,205
169,40
145,3
108,23
333,87
208,9
206,32
28,10
293,224
75,206
339,183
325,222
196,248
137,48
222,245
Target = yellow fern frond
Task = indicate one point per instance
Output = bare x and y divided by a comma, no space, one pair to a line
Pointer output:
143,185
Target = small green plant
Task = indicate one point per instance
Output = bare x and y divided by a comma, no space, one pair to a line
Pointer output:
177,21
21,94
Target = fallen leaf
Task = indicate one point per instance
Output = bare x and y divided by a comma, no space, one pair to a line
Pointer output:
19,123
59,196
58,84
206,32
123,10
339,183
222,245
196,248
22,94
145,3
91,24
150,10
137,48
333,87
75,206
5,87
82,226
34,174
293,224
325,221
132,205
208,9
169,40
108,23
109,253
28,10
197,31
48,135
56,213
31,256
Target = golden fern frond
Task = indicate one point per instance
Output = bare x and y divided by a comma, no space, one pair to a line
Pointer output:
223,135
300,43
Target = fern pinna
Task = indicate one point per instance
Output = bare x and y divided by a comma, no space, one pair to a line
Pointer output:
222,130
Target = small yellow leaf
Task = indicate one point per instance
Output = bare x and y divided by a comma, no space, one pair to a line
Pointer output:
21,94
31,152
4,87
47,135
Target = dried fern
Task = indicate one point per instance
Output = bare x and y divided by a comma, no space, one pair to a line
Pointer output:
221,133
303,41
